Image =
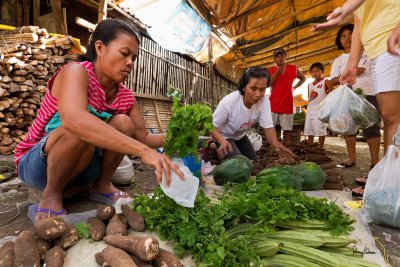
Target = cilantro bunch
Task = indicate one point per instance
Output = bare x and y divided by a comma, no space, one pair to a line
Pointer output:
186,125
202,230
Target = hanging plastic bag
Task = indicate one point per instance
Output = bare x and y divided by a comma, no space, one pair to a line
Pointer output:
382,191
182,192
363,112
340,120
329,104
255,140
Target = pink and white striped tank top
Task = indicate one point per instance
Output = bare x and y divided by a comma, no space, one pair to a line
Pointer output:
122,104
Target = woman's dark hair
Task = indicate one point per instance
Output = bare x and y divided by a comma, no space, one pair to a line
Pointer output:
318,65
349,27
107,31
253,72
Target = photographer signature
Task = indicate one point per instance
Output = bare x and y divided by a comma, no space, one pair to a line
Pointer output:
365,251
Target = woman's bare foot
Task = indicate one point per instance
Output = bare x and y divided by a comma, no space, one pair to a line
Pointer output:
348,163
51,205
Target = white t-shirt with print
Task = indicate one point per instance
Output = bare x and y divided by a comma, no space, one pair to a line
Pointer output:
364,80
232,118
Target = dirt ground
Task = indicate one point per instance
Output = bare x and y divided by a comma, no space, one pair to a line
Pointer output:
14,197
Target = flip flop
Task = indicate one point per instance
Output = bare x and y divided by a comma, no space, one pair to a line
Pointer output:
105,197
358,191
361,180
49,212
347,165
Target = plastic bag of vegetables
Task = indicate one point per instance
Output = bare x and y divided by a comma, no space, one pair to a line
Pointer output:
382,191
363,112
340,120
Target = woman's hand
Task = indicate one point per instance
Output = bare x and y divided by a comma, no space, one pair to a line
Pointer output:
224,148
162,163
286,156
348,76
333,20
393,41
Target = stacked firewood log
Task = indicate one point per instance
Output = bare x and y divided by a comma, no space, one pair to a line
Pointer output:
28,58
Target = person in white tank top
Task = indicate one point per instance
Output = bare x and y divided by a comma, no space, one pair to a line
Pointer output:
317,91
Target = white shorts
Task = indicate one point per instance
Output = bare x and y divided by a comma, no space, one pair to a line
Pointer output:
313,126
284,120
386,73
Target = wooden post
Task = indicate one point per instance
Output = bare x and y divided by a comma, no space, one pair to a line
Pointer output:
211,70
58,14
102,12
36,12
26,6
9,13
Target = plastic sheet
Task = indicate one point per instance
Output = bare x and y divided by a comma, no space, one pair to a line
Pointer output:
182,192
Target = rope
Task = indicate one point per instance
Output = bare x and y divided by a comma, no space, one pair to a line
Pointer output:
18,205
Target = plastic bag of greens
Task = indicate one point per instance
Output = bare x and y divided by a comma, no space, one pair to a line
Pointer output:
340,120
363,112
382,191
328,105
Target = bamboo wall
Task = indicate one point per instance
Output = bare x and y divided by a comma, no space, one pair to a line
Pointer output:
156,68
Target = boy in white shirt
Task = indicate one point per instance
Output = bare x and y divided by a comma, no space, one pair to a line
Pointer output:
317,91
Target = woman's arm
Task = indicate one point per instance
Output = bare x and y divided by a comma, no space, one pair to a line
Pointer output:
338,15
141,133
70,89
394,41
350,72
286,156
224,146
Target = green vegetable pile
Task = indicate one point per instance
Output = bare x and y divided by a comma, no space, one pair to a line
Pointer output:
363,112
299,118
186,125
174,93
359,91
202,231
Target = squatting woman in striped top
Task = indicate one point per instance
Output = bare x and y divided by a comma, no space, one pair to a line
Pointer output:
87,122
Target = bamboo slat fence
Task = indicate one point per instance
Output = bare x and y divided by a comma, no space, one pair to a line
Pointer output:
157,68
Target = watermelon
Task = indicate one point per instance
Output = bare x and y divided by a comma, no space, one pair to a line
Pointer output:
243,158
313,177
234,170
280,177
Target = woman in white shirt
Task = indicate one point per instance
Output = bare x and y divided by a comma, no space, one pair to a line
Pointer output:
364,80
241,109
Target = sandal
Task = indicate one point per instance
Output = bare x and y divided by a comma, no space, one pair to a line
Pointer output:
358,191
49,212
107,198
361,180
346,164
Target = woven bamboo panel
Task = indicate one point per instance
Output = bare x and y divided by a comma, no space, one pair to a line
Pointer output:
156,113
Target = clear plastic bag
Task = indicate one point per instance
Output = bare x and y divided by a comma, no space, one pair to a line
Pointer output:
255,140
328,105
182,192
382,191
124,173
363,112
340,119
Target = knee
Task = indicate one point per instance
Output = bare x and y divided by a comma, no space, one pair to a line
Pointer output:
76,142
389,115
123,124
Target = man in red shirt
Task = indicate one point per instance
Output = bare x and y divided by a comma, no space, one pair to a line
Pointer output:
281,98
